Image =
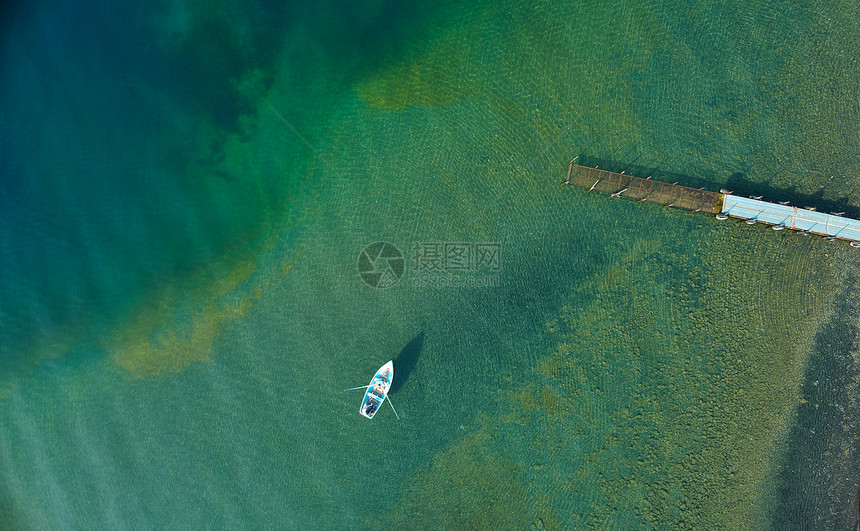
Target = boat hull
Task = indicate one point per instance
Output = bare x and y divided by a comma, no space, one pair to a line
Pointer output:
377,391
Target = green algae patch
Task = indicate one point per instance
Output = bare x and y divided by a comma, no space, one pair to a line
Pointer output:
177,328
468,486
435,79
665,396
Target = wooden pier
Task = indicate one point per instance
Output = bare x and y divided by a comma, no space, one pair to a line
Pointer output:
753,211
639,189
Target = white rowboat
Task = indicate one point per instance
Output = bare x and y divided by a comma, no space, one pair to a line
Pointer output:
377,391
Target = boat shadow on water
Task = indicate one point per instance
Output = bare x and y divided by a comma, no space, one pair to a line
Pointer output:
406,360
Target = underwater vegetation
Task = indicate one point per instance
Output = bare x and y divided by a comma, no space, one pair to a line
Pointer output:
674,387
170,331
660,395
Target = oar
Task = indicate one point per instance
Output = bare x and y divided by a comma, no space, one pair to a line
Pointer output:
354,388
392,407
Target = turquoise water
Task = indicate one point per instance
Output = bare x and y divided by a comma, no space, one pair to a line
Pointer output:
187,190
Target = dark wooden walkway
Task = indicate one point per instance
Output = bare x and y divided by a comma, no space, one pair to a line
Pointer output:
638,189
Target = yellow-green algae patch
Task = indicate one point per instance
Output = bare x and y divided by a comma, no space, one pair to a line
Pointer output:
176,327
665,394
469,486
437,78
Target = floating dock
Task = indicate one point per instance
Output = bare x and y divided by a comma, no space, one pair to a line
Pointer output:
723,204
789,217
